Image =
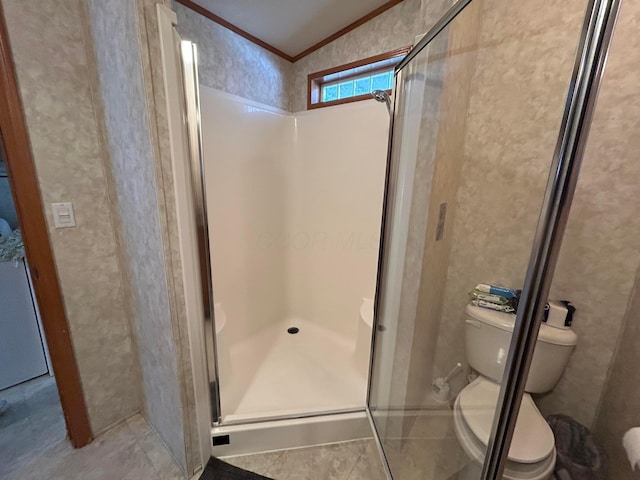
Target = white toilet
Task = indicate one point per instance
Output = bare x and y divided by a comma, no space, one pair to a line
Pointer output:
532,455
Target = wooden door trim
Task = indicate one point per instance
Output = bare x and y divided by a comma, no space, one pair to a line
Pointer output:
28,201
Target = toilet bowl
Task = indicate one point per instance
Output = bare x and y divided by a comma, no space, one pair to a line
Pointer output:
532,454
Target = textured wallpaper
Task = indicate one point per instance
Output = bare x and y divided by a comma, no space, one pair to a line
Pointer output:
600,256
116,41
613,146
395,28
518,94
55,79
233,64
619,410
452,55
515,107
153,74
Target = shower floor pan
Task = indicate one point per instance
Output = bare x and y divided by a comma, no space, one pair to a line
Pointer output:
277,374
281,390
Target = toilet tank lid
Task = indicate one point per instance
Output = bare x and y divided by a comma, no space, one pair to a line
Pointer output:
506,321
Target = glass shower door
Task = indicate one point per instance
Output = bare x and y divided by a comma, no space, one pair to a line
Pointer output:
478,108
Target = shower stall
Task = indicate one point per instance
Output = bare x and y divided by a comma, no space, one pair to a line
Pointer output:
287,226
294,217
291,225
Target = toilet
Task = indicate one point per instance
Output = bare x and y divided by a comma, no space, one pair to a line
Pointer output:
532,454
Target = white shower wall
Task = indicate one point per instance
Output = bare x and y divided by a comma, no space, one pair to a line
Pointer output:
295,203
336,183
246,151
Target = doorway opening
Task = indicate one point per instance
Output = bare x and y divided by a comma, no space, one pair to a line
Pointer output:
30,411
41,395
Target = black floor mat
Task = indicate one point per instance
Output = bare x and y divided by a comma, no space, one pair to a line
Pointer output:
216,469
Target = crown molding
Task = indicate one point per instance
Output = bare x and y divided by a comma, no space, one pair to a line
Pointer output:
352,26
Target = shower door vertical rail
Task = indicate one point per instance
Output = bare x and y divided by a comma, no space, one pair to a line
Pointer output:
591,58
394,176
189,56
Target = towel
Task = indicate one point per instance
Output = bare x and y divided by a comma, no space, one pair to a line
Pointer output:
493,306
488,297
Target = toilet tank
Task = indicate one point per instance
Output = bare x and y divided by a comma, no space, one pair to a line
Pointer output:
487,341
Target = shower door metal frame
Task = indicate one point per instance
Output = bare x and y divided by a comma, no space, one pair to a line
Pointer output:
592,51
392,168
189,60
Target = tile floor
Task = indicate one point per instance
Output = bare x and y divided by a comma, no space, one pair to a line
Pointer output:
33,443
131,450
32,423
128,451
357,460
429,452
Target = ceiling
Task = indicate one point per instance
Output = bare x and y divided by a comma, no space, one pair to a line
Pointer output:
291,26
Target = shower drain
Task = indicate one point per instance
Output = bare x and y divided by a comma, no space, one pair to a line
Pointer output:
293,330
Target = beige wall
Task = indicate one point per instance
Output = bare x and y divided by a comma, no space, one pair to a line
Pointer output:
411,312
55,77
117,31
613,146
619,409
600,254
512,126
153,73
233,64
395,28
97,139
458,62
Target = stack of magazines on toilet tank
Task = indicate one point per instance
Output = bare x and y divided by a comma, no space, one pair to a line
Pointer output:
495,297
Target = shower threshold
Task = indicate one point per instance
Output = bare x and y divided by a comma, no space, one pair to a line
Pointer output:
271,435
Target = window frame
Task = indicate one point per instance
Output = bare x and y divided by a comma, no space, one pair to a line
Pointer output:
350,71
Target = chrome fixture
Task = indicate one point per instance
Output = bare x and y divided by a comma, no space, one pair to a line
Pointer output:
189,56
383,97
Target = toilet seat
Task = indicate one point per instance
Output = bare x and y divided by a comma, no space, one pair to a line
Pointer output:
532,454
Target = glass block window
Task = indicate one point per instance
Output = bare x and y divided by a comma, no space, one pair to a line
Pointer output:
339,90
354,81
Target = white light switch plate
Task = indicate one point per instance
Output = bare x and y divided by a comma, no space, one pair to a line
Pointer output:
63,216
